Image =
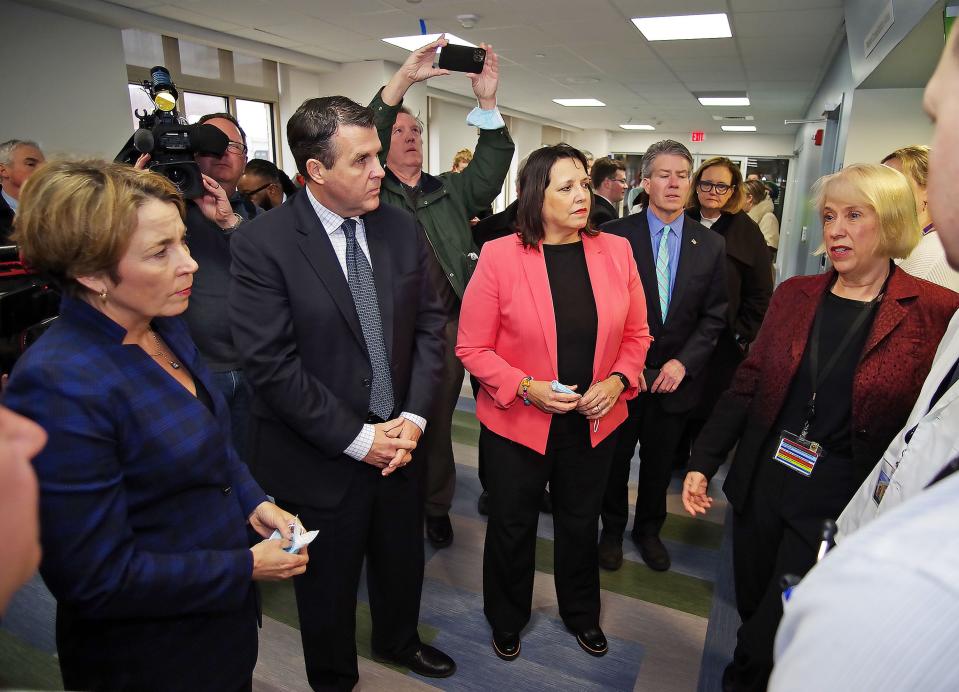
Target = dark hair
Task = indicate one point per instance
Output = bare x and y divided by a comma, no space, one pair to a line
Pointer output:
224,116
604,168
271,173
311,128
533,181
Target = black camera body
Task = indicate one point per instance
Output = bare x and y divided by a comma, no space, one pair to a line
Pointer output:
170,141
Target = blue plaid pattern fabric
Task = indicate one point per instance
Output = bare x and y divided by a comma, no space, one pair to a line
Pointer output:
662,272
143,500
360,278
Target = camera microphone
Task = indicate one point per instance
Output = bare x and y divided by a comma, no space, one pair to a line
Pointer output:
143,140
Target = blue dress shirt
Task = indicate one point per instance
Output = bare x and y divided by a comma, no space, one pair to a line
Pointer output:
673,243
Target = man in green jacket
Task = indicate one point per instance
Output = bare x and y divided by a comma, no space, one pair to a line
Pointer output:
443,205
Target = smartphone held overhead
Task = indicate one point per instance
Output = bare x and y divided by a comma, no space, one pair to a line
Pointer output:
461,58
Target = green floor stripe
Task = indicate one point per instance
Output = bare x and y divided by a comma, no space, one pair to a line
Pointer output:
669,589
24,668
466,419
279,603
697,532
464,435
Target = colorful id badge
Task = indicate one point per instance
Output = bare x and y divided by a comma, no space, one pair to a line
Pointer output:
885,475
797,453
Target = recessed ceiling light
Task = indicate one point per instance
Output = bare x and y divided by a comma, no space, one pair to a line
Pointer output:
722,98
684,27
411,43
578,102
739,128
631,126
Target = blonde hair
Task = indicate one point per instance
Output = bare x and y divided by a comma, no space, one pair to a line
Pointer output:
887,192
738,196
462,156
914,160
76,218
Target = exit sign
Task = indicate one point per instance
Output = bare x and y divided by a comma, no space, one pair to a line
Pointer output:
697,136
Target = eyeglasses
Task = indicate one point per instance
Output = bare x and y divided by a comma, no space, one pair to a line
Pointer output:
236,148
720,188
621,181
253,192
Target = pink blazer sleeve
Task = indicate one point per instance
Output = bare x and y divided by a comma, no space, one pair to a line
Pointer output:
478,326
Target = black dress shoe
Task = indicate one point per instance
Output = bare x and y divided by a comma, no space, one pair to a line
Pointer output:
427,661
592,641
610,552
653,552
546,504
482,504
506,645
439,531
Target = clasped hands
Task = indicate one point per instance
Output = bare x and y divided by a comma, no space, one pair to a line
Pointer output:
393,443
598,400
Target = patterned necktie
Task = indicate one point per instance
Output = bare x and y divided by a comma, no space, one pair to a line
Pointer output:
360,278
662,272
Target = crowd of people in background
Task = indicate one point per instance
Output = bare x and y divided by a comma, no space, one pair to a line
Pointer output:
232,371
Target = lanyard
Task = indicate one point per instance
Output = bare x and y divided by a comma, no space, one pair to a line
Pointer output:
818,377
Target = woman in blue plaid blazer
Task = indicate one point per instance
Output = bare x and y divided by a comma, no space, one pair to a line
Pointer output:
144,504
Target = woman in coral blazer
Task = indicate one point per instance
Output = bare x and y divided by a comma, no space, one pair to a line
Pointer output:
557,301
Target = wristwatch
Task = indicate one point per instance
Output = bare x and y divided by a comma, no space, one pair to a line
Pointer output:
622,378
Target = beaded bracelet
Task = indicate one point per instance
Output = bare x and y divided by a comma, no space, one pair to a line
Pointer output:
525,383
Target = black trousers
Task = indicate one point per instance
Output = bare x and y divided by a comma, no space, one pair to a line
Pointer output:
516,477
658,432
380,519
778,533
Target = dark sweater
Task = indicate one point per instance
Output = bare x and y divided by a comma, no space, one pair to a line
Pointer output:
207,314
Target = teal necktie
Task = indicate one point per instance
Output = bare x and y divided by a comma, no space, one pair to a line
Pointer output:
662,272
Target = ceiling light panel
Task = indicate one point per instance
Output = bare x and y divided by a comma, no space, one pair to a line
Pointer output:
739,128
412,43
631,126
579,103
724,100
684,27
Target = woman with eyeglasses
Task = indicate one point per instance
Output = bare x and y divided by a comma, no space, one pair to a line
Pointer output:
716,201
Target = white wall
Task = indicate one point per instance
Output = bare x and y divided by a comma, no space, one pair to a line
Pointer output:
732,144
64,83
884,120
594,141
861,16
449,133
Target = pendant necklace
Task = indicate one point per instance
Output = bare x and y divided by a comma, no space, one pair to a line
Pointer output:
160,354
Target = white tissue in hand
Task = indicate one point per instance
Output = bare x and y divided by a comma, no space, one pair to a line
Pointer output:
300,539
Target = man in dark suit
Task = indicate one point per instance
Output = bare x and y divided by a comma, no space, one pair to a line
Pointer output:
342,339
682,266
609,187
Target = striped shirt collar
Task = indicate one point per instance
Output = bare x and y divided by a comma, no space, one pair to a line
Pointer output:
330,219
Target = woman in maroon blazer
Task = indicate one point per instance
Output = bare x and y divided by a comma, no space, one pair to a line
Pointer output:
832,376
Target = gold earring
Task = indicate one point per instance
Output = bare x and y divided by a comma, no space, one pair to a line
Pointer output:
103,294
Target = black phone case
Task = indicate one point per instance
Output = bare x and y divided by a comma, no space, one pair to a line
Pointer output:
462,58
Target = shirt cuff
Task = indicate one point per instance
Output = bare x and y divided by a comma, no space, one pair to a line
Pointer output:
361,445
418,421
485,120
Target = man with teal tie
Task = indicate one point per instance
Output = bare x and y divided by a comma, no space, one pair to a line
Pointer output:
682,267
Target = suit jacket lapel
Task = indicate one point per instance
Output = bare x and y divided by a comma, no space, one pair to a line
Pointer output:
645,265
534,269
316,245
891,311
688,257
383,277
803,315
599,275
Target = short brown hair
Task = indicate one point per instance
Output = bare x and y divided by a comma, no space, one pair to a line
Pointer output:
311,130
76,218
735,201
756,190
604,168
887,192
914,160
533,181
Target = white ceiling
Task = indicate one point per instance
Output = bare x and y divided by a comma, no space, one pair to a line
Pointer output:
779,51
